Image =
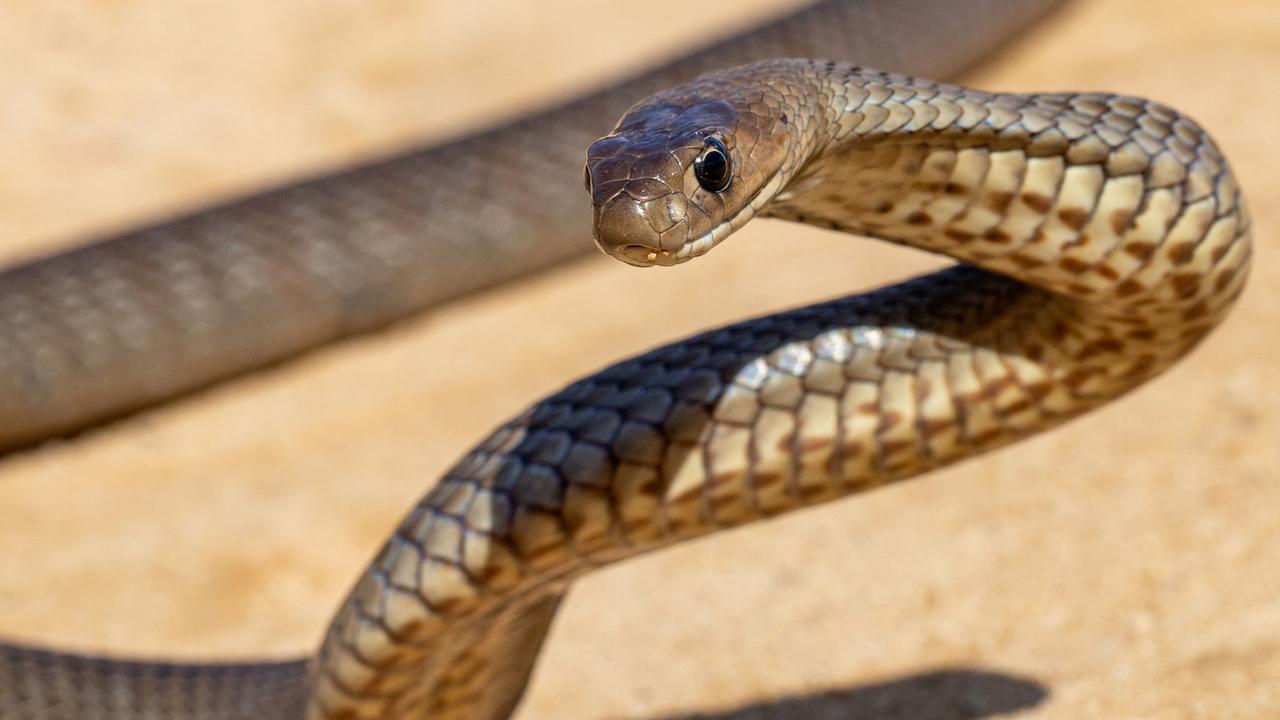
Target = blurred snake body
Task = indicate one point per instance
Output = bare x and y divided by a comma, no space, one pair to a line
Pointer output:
1101,238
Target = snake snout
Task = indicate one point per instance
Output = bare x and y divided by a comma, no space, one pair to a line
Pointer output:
624,229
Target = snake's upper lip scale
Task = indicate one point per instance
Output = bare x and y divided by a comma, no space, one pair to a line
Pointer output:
645,256
703,244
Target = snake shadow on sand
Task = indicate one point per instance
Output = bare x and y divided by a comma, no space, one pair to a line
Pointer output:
958,693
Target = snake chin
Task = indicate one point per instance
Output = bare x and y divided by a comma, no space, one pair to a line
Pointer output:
646,256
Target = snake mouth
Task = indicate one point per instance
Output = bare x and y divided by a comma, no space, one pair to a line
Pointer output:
639,255
644,256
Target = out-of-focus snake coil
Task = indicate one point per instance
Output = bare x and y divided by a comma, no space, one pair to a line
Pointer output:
1101,238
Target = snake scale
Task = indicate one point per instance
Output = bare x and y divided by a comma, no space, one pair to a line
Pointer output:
1101,238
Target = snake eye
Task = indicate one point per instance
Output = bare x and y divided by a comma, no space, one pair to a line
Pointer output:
712,168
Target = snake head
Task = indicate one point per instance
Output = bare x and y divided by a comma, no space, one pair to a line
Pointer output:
683,170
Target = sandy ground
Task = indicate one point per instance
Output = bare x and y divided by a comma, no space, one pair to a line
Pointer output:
1125,566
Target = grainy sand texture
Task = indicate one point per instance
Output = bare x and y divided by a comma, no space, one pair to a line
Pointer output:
1125,566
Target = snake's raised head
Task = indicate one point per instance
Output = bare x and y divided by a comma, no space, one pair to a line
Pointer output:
684,169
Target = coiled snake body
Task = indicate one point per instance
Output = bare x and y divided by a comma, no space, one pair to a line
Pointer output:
1103,237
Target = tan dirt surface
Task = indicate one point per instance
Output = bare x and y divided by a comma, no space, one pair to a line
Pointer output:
1126,566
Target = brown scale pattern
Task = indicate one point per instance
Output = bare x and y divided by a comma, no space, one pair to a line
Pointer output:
1103,237
142,316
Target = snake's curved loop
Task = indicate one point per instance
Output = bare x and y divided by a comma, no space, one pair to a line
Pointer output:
143,316
1103,237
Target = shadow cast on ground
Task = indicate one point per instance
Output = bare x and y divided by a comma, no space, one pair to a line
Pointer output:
946,694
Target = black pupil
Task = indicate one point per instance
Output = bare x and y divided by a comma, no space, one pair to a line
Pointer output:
712,167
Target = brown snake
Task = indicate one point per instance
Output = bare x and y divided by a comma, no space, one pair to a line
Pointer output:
1103,237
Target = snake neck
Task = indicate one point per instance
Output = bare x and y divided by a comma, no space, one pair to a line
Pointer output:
1115,201
1118,205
